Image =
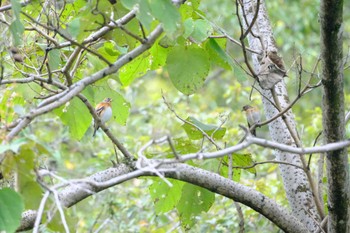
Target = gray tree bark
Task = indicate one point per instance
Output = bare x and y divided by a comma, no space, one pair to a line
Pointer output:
331,19
282,130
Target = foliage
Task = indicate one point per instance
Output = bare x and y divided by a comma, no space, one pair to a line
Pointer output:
198,74
11,210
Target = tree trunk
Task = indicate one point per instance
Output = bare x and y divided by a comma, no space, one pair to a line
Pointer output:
282,130
331,18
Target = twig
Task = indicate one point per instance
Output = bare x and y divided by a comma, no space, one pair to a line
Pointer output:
251,24
316,139
267,162
244,51
190,123
60,210
172,147
40,212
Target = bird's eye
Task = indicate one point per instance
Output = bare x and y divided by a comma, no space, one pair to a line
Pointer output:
271,67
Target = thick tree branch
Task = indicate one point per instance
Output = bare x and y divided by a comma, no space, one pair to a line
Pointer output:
78,190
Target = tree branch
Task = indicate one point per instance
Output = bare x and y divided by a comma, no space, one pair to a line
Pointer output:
62,98
76,190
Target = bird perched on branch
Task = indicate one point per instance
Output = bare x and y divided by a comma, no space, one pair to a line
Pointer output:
253,116
104,112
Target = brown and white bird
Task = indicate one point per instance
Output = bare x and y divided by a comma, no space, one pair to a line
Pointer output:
252,115
104,112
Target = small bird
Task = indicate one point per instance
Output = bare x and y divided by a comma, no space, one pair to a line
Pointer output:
253,116
104,112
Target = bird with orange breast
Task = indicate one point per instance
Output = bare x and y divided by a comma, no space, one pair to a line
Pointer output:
104,112
252,115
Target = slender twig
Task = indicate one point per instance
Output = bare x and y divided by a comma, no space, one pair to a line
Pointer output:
244,51
268,162
40,212
60,210
172,147
251,24
310,156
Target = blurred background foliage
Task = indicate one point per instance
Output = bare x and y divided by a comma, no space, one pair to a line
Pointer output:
129,207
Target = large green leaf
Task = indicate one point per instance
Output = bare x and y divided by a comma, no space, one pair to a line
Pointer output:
194,200
165,197
77,117
143,13
134,69
11,208
158,55
25,164
167,14
195,134
188,68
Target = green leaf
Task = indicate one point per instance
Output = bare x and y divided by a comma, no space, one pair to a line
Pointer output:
134,69
202,29
17,30
195,134
194,200
25,163
16,26
16,8
11,210
218,55
158,55
165,197
143,13
54,59
189,27
109,51
223,58
13,146
167,14
184,146
244,160
77,117
188,68
73,28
